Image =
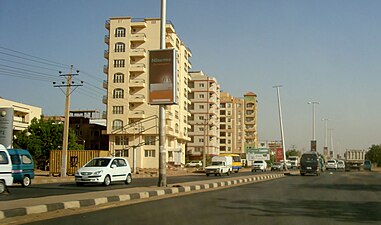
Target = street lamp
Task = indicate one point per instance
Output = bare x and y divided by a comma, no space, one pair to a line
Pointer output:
313,141
281,126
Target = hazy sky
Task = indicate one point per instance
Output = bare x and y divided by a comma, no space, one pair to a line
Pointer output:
325,51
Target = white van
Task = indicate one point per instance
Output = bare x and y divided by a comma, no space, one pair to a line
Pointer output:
6,178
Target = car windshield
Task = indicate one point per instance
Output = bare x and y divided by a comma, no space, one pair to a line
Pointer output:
101,162
258,162
216,163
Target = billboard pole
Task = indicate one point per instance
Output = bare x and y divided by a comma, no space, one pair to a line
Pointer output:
162,151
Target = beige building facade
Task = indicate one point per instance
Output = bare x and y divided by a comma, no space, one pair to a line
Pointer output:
204,119
250,110
232,137
132,123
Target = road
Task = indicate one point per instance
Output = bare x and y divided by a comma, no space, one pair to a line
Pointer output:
333,198
42,190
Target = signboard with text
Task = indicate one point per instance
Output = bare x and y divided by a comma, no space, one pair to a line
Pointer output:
258,154
6,127
162,77
279,154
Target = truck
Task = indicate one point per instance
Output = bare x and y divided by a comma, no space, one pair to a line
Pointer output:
354,159
220,165
294,160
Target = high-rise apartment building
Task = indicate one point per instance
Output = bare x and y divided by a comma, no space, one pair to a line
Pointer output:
204,120
251,133
132,124
232,137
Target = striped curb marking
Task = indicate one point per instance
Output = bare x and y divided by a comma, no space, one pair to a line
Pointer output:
8,213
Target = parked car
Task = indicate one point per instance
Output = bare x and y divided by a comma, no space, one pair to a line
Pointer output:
259,165
195,163
367,165
331,164
277,166
6,178
22,166
340,165
104,170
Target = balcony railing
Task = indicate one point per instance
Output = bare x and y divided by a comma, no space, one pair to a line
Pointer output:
137,98
104,99
137,83
138,114
105,69
138,67
138,37
105,54
107,39
107,24
105,84
138,52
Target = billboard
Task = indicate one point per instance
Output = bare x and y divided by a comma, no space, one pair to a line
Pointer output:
258,154
6,127
279,154
162,77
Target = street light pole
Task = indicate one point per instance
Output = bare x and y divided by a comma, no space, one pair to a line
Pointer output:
313,141
281,126
325,149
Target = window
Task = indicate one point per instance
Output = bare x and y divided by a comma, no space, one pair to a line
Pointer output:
118,63
201,140
119,78
201,106
117,110
120,47
118,93
3,158
201,96
26,159
149,140
121,153
117,124
201,85
177,128
121,140
201,117
120,32
149,153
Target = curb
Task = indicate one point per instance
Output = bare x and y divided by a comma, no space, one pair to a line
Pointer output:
127,197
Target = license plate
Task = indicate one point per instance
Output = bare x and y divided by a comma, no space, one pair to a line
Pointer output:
309,168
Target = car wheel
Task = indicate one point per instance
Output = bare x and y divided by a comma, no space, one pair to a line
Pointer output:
128,179
107,181
207,174
26,181
3,188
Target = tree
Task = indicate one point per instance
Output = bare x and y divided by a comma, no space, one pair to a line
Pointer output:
43,136
292,152
374,154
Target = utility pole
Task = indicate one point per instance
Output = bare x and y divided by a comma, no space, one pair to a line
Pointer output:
325,149
68,84
162,150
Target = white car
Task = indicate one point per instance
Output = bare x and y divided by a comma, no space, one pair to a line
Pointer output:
341,165
331,164
104,170
196,163
259,165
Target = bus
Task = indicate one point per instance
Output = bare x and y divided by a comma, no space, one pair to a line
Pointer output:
237,163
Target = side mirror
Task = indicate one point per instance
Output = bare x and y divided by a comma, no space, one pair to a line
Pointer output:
113,166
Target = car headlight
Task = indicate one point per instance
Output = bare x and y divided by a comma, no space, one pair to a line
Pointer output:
99,172
76,173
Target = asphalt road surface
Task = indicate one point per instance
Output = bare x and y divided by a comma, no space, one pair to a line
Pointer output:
42,190
333,198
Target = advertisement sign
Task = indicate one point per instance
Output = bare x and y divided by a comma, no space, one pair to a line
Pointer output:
313,145
6,127
162,77
258,154
279,154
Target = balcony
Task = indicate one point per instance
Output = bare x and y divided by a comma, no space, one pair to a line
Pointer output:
170,41
138,23
139,83
104,99
139,114
105,84
137,67
137,98
138,38
107,24
105,69
104,115
107,39
138,52
169,115
170,28
105,54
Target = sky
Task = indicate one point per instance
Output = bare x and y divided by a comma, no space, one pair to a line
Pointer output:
318,50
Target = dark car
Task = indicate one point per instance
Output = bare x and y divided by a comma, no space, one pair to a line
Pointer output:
310,164
367,165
